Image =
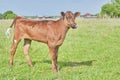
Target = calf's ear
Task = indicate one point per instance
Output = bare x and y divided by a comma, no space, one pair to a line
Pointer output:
77,14
62,14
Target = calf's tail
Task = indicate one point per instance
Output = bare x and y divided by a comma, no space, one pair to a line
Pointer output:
9,29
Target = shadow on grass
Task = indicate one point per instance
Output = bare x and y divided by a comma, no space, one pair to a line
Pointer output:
71,64
66,64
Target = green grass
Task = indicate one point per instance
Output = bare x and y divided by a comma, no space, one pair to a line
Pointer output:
91,52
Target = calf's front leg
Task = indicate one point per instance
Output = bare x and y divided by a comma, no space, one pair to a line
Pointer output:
54,56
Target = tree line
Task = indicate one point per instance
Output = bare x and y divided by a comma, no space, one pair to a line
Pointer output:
111,9
8,15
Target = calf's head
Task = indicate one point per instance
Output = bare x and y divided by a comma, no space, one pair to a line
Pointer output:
69,18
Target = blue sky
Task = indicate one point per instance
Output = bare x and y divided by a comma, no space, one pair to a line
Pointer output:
51,7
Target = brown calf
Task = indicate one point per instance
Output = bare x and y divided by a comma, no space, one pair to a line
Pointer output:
47,31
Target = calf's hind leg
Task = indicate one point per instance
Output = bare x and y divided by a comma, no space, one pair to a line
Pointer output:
13,49
26,47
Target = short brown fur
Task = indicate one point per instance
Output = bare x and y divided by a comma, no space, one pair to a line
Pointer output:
49,32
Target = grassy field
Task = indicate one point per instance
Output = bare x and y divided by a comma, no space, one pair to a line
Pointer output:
91,52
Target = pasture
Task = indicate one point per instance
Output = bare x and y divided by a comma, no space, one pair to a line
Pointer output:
90,52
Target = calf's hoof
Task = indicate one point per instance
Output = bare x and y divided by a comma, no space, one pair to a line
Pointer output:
11,64
56,70
30,65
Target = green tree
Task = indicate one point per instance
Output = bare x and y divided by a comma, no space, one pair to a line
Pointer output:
116,1
0,16
112,9
9,15
117,7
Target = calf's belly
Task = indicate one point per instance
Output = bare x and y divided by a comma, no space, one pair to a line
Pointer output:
36,37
